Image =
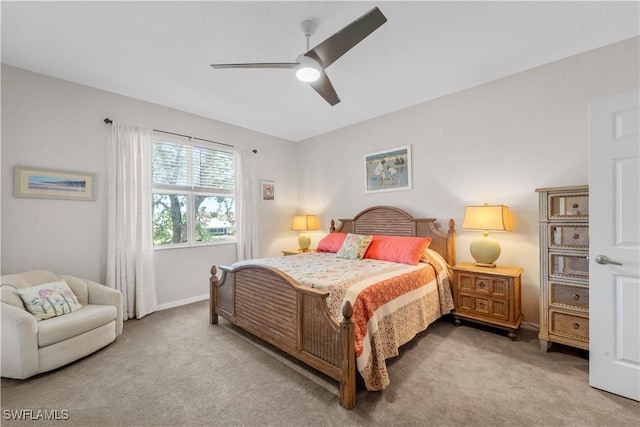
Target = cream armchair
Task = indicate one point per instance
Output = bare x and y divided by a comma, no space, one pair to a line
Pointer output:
30,347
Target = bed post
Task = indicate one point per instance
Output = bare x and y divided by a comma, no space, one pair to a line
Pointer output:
451,243
347,345
213,283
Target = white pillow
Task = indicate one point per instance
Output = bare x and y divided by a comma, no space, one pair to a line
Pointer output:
49,300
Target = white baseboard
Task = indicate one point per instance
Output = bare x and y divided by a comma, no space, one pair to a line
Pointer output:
529,325
183,302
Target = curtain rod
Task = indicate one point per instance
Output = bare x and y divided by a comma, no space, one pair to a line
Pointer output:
109,121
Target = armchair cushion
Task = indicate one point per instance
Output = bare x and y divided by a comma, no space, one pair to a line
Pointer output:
49,300
68,326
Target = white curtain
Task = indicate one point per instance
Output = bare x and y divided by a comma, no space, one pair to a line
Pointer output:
129,220
246,205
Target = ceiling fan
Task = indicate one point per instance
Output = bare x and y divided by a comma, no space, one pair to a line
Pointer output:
310,66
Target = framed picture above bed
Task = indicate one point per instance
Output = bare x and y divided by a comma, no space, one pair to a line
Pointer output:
388,170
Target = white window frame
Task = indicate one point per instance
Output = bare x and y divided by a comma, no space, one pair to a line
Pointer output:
190,191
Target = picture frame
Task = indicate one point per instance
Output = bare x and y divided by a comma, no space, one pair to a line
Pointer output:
388,170
267,191
36,182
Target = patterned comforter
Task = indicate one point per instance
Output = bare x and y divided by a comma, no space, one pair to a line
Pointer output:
391,302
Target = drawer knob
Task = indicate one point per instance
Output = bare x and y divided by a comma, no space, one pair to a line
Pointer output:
576,236
576,326
575,206
576,297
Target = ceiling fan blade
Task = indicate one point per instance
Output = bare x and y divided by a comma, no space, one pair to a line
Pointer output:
324,87
257,65
327,52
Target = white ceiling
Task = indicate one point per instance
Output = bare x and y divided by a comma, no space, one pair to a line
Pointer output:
160,52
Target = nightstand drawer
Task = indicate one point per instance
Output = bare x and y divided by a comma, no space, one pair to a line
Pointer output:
569,325
495,287
485,307
570,296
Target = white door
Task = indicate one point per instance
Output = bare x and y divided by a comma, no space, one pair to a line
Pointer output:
614,254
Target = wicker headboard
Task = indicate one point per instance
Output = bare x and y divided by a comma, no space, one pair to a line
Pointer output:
392,221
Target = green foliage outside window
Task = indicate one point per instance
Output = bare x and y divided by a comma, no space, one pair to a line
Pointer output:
194,189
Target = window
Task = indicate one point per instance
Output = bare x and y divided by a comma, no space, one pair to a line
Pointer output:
193,194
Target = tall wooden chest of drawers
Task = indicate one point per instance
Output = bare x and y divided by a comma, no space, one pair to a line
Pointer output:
564,266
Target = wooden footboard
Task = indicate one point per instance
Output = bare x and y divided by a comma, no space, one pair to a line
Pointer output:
294,318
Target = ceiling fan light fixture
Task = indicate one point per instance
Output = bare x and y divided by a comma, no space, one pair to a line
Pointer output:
307,69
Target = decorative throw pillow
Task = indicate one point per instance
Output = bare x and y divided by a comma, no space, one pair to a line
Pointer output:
49,300
354,246
331,242
402,249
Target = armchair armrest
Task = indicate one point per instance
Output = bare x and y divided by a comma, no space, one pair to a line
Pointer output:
20,358
104,295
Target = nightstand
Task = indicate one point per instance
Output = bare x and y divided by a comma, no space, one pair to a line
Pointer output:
490,296
295,251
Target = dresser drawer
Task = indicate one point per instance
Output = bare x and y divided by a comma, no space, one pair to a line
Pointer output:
569,266
569,205
569,325
494,287
570,296
569,236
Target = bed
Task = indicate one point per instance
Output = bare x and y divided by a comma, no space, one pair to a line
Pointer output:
357,314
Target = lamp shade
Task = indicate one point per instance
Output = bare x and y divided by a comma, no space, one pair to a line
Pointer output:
487,218
486,250
305,222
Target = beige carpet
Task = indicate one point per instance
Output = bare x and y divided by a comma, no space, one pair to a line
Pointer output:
174,369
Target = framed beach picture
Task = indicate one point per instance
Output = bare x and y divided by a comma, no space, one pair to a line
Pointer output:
267,190
53,184
388,170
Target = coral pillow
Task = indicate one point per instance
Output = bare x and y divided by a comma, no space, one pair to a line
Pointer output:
331,242
402,249
354,246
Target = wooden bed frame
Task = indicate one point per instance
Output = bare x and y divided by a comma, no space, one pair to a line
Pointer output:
294,318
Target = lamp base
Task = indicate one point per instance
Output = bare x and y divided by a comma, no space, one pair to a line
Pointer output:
304,242
485,251
481,264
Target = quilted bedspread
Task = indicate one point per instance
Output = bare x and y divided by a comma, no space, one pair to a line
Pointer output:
391,302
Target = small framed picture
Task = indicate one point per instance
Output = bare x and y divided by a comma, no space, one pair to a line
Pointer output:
53,184
267,191
388,170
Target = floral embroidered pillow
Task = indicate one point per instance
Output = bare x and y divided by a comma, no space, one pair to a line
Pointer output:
49,300
354,246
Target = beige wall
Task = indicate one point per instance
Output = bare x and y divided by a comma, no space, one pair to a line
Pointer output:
494,143
56,124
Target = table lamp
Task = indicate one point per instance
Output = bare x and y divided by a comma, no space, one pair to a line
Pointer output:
304,223
485,218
